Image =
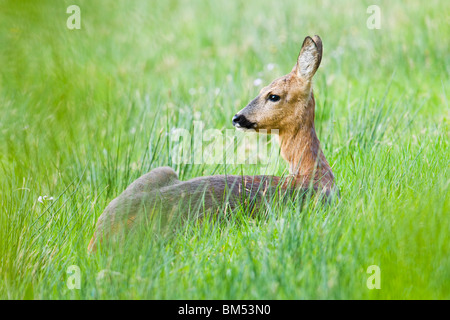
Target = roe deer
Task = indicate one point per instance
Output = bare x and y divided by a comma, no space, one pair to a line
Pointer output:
287,104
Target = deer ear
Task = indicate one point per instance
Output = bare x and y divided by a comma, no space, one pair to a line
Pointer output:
309,58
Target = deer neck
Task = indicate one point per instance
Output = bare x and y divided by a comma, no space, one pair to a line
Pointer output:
300,147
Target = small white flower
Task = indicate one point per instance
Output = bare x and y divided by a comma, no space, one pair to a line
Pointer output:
270,66
257,82
41,199
197,115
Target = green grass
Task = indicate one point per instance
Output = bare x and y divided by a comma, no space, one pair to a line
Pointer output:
85,112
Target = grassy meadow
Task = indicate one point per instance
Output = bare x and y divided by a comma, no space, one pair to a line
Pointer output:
85,112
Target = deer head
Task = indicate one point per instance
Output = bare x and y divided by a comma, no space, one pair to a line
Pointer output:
287,104
283,104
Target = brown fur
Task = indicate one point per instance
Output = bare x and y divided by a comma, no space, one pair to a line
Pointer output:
160,191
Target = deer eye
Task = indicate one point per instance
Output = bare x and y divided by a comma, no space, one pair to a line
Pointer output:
274,98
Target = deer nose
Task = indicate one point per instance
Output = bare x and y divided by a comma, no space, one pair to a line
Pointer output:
240,121
236,119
